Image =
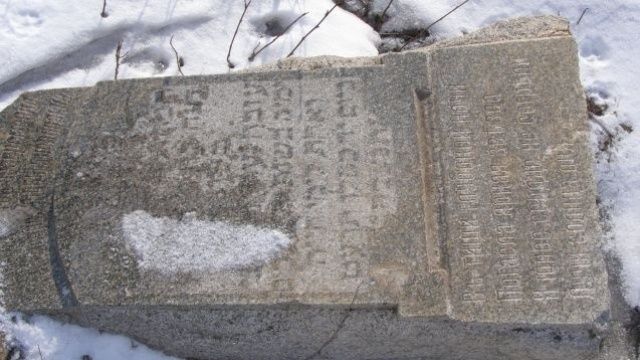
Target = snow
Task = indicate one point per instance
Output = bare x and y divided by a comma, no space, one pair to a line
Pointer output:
191,245
42,338
49,44
6,227
12,219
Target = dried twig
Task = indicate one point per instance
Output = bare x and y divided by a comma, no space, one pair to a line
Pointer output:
394,33
384,12
40,352
447,14
312,30
246,6
602,126
582,15
104,13
179,59
118,57
255,51
437,21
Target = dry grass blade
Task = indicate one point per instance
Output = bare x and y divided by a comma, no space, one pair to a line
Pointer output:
384,12
235,33
582,15
602,126
104,13
255,52
447,14
312,30
437,21
179,59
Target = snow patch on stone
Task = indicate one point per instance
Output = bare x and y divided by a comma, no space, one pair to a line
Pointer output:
186,245
5,230
12,219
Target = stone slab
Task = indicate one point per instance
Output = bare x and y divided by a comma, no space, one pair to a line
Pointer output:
394,207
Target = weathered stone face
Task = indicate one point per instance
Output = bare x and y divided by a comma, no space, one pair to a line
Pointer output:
452,183
3,347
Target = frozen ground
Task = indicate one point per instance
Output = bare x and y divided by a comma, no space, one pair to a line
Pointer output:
48,44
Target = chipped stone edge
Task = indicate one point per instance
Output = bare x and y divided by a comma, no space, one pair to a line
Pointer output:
4,350
514,29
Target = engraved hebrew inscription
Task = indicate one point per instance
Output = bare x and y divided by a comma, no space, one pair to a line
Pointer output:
303,156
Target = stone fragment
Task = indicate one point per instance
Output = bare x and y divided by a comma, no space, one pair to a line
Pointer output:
4,352
437,203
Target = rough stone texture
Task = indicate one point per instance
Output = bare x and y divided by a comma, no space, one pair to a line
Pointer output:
440,203
4,353
522,28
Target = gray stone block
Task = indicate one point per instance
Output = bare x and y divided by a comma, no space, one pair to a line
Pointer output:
430,204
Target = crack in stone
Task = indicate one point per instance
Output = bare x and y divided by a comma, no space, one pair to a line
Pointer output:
340,326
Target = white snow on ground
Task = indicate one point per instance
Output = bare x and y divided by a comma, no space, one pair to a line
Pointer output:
47,44
45,339
168,245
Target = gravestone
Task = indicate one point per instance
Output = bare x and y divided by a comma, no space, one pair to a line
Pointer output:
437,203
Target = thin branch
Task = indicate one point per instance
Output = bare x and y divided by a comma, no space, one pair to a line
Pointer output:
384,12
179,59
407,34
246,6
393,34
437,21
408,40
602,126
255,48
254,53
312,30
447,14
118,57
104,13
40,352
582,15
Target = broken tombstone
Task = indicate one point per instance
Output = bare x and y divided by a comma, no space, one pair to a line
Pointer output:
437,203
